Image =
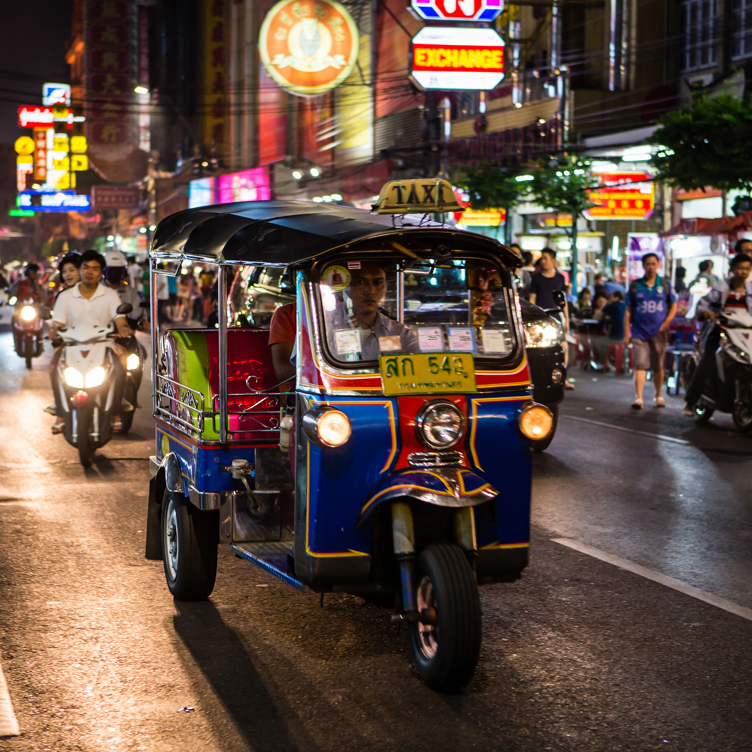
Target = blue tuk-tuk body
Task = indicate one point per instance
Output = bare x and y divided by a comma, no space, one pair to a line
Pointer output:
344,482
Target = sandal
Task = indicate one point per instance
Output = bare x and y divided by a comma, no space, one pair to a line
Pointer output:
637,404
58,426
660,402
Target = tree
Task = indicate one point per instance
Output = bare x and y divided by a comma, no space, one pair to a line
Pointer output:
706,146
564,185
490,187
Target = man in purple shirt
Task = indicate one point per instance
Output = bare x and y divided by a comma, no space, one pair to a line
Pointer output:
651,307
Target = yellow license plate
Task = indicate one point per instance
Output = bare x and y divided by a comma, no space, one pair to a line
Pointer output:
423,373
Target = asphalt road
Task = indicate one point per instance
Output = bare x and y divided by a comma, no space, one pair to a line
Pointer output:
581,654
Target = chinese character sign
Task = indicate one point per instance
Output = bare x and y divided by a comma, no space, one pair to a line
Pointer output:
215,93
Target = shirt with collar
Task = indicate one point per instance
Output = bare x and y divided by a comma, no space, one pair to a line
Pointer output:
72,309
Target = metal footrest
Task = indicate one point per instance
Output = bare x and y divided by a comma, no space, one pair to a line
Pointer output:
274,557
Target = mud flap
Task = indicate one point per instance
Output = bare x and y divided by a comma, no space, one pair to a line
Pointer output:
153,521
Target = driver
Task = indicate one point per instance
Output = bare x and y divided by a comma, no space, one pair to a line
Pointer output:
734,293
362,299
90,302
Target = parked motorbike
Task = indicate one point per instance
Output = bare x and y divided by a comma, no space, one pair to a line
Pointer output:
85,378
731,391
27,325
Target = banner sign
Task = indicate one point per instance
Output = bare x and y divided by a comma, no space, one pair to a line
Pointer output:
53,201
458,10
35,117
457,58
625,195
115,197
481,217
308,46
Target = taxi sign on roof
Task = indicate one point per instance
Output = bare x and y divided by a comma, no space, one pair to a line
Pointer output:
417,197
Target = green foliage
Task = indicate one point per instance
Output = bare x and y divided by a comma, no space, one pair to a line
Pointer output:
488,186
708,145
564,186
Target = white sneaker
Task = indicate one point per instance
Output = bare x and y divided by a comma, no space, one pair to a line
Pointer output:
637,404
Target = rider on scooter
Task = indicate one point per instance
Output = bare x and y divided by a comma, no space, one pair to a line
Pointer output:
116,278
730,293
90,302
28,286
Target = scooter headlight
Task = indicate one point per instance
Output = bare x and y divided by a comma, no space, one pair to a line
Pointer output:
95,377
543,334
439,424
326,427
73,378
536,421
132,362
28,313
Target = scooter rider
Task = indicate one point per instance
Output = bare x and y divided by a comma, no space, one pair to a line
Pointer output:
90,302
116,278
28,286
733,292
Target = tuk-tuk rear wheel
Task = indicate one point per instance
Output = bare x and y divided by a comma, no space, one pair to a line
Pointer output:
189,548
446,651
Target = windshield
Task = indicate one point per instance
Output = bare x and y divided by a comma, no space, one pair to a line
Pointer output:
377,307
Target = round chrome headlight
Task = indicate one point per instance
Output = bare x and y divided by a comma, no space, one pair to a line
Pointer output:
439,424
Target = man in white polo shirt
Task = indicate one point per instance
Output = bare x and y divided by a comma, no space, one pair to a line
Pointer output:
90,302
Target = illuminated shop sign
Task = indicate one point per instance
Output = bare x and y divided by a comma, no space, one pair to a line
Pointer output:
53,201
458,10
201,192
625,195
248,185
457,58
56,94
308,46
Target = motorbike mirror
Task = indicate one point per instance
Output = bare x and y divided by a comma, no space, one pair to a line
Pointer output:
560,299
46,314
124,308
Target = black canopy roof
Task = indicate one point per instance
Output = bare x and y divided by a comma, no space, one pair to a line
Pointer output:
275,233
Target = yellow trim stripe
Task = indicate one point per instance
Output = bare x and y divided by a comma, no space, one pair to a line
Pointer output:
495,546
474,402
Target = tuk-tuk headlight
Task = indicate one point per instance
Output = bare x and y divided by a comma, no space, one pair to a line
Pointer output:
326,427
73,378
132,362
28,313
439,424
535,421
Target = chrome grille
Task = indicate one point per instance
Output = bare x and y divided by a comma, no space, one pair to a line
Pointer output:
434,459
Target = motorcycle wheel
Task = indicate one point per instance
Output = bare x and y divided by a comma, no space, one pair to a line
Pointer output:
126,419
703,411
189,548
446,651
542,444
83,437
742,413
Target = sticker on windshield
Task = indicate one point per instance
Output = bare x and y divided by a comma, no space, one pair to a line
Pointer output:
461,339
337,278
347,341
494,341
430,339
390,343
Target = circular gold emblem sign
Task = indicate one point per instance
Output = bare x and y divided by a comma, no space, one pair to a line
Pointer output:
308,46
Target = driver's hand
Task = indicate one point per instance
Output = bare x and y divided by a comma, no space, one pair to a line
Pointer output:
125,331
709,315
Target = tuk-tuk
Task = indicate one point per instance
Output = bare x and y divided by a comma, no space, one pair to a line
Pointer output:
397,465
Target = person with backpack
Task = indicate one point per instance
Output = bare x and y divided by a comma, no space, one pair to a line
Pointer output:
651,307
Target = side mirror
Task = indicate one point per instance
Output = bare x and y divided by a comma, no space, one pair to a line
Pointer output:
560,299
124,308
46,314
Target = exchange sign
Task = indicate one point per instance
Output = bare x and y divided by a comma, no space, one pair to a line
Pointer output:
457,58
458,10
625,195
308,46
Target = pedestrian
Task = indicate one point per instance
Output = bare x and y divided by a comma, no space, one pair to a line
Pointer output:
705,275
651,306
743,245
680,285
584,308
613,317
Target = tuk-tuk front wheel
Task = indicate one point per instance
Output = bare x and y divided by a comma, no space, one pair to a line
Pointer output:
189,548
446,645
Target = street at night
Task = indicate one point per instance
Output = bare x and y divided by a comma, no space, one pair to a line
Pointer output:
579,654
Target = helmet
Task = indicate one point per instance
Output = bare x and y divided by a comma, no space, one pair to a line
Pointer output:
114,258
31,268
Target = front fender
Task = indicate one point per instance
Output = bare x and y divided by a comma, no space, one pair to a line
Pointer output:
442,487
172,474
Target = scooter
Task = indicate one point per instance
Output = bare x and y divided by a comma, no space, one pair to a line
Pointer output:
134,372
87,387
731,392
27,325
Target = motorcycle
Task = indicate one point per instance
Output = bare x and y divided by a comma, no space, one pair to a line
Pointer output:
87,387
731,391
27,325
134,373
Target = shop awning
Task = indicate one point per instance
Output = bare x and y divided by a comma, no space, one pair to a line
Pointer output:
706,226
